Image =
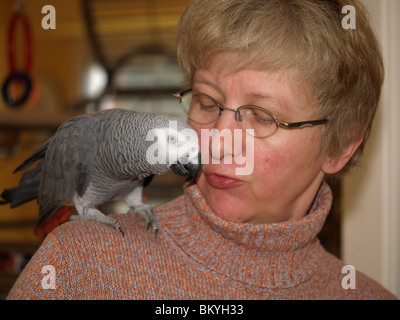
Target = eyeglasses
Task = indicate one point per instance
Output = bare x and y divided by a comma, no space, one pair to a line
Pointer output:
202,108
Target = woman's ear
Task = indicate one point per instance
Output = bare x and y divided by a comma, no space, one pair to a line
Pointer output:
333,165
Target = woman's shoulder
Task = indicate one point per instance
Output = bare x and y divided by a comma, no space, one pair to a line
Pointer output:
89,239
90,260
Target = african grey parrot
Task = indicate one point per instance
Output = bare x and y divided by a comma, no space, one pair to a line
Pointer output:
107,155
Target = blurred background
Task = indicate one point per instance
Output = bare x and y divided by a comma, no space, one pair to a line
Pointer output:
101,54
121,53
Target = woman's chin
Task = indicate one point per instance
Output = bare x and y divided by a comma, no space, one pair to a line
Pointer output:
226,203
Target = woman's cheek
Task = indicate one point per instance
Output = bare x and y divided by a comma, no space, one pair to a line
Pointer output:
269,159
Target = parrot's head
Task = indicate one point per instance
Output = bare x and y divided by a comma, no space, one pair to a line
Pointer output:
190,169
176,146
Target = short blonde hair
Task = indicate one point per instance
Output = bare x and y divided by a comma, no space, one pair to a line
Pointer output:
343,68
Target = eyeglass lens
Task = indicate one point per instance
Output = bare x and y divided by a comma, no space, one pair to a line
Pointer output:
203,109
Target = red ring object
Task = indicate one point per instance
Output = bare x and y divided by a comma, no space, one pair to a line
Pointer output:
22,18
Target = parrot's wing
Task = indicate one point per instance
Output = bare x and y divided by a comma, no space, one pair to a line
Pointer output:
37,155
68,164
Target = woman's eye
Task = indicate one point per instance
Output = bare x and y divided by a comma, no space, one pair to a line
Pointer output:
206,104
265,120
209,107
261,116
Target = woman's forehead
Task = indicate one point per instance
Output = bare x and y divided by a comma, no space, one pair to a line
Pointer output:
281,86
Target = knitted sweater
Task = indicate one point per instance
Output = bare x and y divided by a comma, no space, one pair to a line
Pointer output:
197,255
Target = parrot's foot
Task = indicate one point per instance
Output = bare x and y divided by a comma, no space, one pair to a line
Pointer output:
146,213
92,214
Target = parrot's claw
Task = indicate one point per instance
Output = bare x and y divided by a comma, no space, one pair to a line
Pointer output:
146,213
119,228
91,214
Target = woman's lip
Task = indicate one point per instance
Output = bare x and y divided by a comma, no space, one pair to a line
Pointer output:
222,182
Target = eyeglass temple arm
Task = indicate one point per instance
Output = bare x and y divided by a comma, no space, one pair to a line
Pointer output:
303,123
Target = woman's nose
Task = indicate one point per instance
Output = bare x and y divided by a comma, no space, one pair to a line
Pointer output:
226,140
227,120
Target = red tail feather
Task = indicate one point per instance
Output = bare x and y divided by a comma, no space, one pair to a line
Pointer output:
61,215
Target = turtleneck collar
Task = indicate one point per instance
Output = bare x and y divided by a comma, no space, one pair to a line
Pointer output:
276,255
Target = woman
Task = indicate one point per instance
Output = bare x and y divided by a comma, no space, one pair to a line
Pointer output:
305,90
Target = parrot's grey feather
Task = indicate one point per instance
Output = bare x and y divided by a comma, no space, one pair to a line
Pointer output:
35,156
69,161
27,189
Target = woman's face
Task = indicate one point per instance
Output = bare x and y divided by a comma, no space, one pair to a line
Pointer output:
288,168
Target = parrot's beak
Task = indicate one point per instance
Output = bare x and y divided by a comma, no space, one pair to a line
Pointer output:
191,169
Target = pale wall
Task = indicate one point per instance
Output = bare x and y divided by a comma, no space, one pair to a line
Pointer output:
371,205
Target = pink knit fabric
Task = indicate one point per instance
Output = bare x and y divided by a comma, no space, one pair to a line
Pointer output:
197,255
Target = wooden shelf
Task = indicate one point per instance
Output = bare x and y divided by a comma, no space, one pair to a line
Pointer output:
32,120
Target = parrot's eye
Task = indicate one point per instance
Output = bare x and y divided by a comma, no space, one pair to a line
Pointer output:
172,139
